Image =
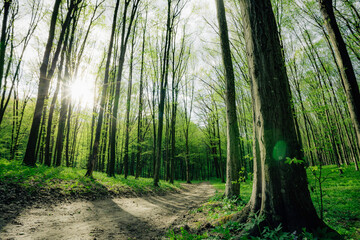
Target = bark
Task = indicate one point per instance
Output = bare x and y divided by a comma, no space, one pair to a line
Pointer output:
7,4
93,158
343,60
128,105
60,134
65,93
44,83
67,143
219,145
126,30
48,153
141,105
233,152
188,111
280,191
163,86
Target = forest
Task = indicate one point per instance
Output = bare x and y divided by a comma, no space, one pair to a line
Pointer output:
179,119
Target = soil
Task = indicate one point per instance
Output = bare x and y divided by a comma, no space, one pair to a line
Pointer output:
148,217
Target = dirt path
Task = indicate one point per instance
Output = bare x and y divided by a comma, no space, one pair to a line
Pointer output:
118,218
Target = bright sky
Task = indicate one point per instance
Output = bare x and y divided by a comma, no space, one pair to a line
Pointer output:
82,89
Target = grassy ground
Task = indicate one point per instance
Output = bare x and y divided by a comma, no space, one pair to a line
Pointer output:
341,193
71,181
341,200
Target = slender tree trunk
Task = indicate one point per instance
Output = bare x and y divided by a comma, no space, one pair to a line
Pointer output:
163,86
219,145
128,105
67,139
141,105
233,153
44,83
173,134
48,153
95,150
126,30
343,60
6,9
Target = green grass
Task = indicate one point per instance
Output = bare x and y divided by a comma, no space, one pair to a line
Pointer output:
71,181
341,197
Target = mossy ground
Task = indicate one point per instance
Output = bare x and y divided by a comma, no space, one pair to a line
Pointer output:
71,181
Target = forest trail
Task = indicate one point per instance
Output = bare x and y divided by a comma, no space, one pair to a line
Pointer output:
118,218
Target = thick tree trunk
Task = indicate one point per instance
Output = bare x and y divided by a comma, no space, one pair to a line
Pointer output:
233,143
280,190
343,60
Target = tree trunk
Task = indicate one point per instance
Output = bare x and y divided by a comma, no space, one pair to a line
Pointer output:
163,86
93,158
233,152
67,139
280,191
61,128
141,106
48,153
128,105
44,83
124,40
3,39
343,60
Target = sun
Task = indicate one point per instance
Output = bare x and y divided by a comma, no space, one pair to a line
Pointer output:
82,93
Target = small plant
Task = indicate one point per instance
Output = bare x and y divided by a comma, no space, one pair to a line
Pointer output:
320,179
293,161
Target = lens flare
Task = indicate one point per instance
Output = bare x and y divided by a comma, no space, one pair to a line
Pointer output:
280,149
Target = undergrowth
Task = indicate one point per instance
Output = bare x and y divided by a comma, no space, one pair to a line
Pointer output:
341,199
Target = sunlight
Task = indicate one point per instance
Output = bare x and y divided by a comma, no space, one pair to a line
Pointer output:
82,93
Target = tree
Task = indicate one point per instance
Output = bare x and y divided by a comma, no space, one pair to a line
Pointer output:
73,12
188,107
128,103
4,38
280,190
140,137
344,62
46,74
233,143
125,34
93,157
172,14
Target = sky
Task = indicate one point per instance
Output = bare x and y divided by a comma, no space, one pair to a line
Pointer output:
197,11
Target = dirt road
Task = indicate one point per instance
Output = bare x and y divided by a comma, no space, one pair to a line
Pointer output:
118,218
